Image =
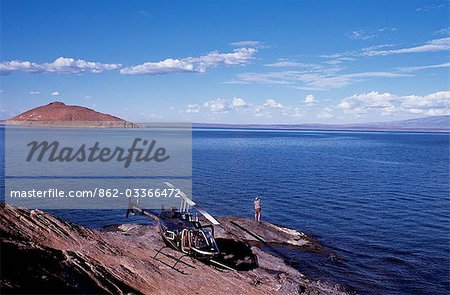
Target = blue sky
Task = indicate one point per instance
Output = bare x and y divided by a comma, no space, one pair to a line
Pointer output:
228,61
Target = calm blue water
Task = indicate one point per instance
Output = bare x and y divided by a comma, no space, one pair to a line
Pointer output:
379,201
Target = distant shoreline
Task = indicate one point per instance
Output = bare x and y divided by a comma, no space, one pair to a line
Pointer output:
252,127
434,124
323,129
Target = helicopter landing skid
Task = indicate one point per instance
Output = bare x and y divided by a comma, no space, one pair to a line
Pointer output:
174,258
221,266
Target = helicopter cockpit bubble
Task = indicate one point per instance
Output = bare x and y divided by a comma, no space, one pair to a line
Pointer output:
198,240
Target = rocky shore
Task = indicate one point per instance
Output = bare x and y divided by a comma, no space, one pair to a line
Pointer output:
44,254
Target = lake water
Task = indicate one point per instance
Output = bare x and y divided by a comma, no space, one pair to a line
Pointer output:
379,200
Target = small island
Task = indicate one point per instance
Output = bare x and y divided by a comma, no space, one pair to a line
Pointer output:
58,114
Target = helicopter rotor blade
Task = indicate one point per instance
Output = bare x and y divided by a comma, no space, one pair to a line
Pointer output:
207,215
193,204
181,193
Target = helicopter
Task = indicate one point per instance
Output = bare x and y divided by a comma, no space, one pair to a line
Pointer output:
182,231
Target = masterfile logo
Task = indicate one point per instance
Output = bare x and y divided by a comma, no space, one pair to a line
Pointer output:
140,150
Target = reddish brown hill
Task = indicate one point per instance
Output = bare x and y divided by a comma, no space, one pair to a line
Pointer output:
59,114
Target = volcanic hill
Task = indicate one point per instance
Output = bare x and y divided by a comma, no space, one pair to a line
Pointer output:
58,114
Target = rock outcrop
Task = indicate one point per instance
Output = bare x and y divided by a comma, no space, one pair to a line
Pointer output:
58,114
43,254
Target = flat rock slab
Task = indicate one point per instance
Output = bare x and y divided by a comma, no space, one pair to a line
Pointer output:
264,232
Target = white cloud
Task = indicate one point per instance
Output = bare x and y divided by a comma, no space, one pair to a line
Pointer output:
239,56
339,60
161,67
270,107
361,35
88,97
35,92
193,108
388,104
435,45
239,102
285,63
60,65
218,105
361,103
375,75
417,68
316,79
442,44
353,53
386,29
272,104
144,13
309,99
431,104
326,113
311,76
443,31
239,105
248,43
366,35
427,8
311,80
297,113
271,78
56,93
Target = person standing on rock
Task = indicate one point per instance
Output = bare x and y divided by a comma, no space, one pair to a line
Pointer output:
257,209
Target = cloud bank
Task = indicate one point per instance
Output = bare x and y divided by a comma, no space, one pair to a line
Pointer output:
67,65
270,108
442,44
389,104
239,56
63,65
317,78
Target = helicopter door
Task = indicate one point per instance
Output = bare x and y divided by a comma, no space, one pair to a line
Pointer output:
185,241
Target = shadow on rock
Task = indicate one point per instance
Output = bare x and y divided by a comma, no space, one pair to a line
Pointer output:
236,254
